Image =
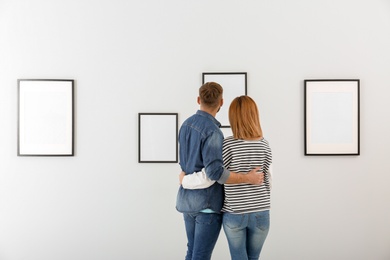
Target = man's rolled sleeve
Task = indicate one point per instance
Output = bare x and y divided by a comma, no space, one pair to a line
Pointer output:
225,175
212,155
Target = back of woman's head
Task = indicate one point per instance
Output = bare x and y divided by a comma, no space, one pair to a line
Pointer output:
244,118
210,94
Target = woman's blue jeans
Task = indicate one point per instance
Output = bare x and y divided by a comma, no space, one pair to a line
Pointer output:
246,234
202,233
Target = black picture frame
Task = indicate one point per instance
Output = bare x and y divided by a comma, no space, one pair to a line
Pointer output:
158,137
332,116
45,117
234,84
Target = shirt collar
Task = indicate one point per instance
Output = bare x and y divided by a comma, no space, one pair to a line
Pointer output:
205,114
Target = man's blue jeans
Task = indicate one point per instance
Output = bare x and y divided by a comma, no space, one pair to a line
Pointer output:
246,234
202,233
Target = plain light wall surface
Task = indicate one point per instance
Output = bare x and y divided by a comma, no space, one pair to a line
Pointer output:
129,57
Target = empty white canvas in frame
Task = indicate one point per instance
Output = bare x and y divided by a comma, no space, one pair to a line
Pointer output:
45,117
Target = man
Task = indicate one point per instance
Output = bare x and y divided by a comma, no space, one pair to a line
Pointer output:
200,142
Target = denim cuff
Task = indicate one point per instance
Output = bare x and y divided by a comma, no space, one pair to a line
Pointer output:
225,175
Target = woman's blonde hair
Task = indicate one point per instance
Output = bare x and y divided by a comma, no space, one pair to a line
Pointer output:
244,118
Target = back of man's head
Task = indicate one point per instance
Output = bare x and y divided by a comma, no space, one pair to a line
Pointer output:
210,94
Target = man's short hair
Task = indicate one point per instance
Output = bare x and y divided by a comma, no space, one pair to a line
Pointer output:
210,94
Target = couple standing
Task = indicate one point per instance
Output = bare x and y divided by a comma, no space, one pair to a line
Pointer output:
229,176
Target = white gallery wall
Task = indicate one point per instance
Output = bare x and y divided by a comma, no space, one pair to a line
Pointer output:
128,57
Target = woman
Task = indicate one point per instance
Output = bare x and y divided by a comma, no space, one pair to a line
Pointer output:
246,206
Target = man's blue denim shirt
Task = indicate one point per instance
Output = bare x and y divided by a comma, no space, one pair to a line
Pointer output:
200,141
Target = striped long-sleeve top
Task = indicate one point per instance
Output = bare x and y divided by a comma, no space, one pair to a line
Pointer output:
241,156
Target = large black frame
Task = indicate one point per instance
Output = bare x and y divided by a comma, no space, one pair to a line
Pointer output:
45,117
332,117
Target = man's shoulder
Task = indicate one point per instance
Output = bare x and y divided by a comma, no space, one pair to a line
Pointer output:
199,120
190,120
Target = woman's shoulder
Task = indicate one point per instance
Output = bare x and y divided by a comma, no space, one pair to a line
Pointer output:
229,139
255,140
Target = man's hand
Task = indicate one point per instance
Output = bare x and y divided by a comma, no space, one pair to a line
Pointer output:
255,177
181,176
252,177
